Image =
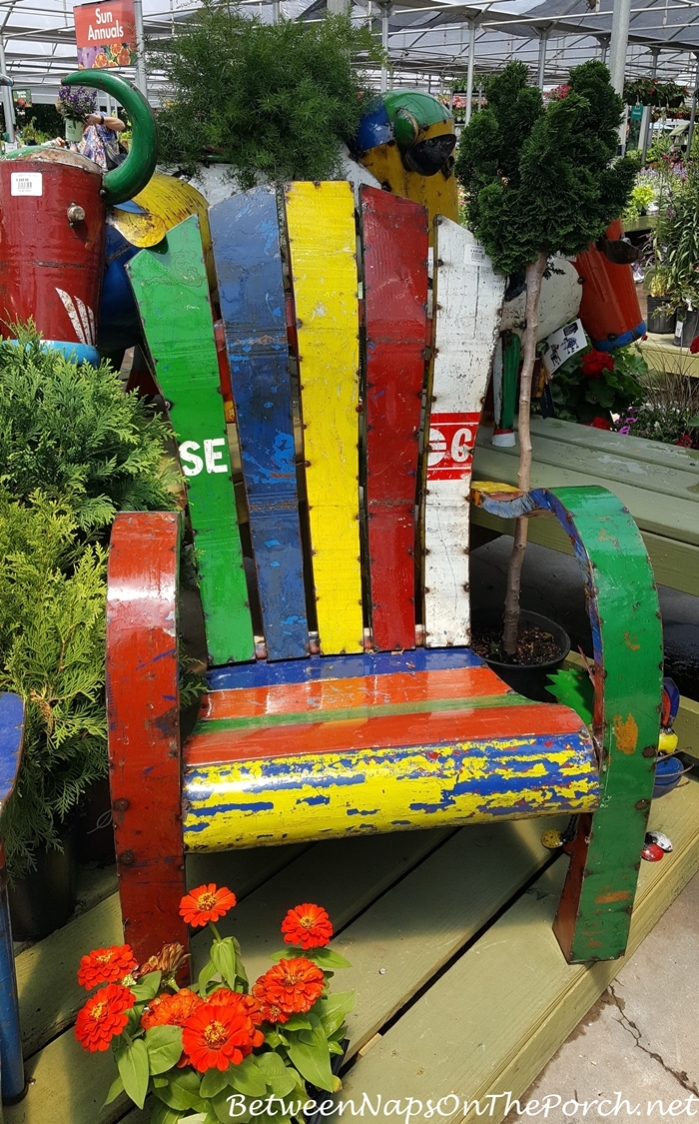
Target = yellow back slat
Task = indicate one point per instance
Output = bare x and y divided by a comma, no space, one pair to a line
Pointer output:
321,226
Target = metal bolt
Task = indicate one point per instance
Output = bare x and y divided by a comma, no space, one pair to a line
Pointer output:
127,859
121,805
76,213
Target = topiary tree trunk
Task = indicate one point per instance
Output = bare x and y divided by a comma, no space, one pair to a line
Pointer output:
535,275
540,181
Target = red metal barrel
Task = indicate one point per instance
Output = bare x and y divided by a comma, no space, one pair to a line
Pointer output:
52,236
609,310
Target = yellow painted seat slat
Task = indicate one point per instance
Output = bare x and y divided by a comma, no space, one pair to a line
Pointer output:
322,246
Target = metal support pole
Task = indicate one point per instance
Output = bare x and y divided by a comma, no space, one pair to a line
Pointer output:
648,115
385,13
604,47
543,40
693,114
7,103
141,79
469,75
618,43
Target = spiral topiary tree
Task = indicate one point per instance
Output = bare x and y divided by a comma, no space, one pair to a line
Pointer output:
540,180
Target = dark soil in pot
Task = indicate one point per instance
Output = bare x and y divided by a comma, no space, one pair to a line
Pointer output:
542,647
45,899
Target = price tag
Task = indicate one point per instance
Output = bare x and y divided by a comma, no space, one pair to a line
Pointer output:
26,183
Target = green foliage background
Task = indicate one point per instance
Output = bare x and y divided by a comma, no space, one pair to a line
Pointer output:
541,179
74,450
273,100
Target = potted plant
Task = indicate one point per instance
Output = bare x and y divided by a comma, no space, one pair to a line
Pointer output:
74,449
74,103
676,245
660,317
540,181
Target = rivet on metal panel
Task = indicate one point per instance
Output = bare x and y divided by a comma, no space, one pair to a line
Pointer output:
641,805
650,751
121,805
127,859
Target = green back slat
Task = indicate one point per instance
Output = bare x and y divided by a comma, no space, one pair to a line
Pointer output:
172,294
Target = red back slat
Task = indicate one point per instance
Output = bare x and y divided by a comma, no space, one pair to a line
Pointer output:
395,236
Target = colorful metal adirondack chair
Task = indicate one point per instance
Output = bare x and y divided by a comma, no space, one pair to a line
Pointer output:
360,706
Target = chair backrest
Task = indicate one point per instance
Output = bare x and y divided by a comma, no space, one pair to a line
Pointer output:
349,526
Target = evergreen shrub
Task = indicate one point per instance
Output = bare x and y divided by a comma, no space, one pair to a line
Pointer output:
74,450
72,432
52,623
272,100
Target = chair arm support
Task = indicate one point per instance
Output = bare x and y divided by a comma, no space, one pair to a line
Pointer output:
11,1062
143,716
622,604
11,738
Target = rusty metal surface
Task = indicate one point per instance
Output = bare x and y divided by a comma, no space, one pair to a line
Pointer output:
143,715
51,270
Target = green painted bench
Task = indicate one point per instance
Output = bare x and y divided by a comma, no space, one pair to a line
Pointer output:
659,484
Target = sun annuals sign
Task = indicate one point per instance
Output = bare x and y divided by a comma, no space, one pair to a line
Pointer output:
105,34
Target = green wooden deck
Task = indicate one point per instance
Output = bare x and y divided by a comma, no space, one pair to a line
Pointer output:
658,483
461,985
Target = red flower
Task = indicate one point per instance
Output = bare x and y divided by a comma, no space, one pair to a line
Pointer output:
171,1010
601,423
206,903
106,965
271,1012
594,362
685,441
224,997
218,1035
694,345
103,1017
307,925
292,986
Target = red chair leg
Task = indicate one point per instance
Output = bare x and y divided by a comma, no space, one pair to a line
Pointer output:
144,735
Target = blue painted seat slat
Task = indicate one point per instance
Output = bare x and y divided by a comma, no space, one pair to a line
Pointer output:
245,231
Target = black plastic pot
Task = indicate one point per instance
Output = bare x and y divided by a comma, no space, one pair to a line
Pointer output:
686,328
44,900
530,680
660,323
95,831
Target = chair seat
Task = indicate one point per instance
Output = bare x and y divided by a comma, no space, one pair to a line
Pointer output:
329,747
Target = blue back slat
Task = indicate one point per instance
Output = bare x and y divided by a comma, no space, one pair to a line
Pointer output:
245,231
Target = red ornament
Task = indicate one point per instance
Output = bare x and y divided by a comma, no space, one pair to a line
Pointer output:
652,853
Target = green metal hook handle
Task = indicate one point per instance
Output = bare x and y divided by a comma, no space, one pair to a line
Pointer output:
132,176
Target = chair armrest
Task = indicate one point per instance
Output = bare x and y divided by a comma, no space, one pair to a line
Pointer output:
143,716
622,604
11,738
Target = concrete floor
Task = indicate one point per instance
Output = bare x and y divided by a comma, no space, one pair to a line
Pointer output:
641,1039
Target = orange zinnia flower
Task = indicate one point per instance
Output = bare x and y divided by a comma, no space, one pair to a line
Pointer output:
224,997
218,1035
103,1017
271,1013
206,903
171,1010
307,925
106,965
292,986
